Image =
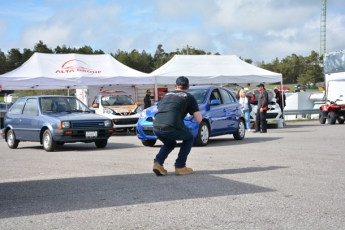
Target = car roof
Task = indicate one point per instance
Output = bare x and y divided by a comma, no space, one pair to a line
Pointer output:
204,87
42,96
114,94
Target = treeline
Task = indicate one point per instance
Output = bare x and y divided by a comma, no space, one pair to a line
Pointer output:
295,69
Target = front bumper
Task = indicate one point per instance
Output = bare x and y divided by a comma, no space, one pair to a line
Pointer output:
79,135
123,121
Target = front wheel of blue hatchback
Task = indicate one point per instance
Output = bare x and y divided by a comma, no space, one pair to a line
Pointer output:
203,134
148,142
49,144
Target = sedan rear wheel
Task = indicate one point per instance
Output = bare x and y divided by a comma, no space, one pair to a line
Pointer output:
49,144
11,140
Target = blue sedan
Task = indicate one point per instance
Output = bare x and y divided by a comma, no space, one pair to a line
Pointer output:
54,120
221,114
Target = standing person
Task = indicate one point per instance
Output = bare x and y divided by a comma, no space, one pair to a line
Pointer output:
245,107
168,126
280,98
147,99
262,110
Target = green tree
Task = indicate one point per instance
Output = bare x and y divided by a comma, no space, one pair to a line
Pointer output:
27,53
14,58
3,64
42,48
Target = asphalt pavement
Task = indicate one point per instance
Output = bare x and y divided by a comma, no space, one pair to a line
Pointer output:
288,178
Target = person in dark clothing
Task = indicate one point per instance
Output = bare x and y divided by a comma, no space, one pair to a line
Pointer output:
147,99
280,99
261,110
169,126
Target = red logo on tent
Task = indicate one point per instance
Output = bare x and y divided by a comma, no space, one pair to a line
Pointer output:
75,66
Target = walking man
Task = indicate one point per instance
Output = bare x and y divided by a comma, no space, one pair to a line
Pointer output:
168,126
147,99
262,110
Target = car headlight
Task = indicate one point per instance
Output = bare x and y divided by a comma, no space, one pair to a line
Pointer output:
143,113
138,109
64,125
108,111
188,117
107,123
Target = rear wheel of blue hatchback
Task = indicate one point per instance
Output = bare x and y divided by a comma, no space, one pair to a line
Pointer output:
49,144
240,133
11,140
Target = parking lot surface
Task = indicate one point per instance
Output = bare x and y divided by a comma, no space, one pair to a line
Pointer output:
288,178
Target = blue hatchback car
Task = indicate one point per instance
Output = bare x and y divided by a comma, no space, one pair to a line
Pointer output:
54,120
220,110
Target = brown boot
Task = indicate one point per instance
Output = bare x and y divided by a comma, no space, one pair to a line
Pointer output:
183,171
159,169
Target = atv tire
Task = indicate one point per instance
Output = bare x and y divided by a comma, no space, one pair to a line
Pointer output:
331,118
322,117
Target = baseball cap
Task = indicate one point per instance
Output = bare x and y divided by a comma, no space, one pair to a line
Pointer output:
260,85
183,81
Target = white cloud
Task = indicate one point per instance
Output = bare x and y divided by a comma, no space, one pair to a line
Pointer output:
259,30
3,27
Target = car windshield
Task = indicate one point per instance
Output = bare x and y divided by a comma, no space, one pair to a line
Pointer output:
117,100
62,104
198,94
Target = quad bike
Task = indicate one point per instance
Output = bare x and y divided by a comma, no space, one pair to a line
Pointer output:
332,112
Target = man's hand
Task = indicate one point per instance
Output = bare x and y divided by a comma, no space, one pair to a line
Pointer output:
197,116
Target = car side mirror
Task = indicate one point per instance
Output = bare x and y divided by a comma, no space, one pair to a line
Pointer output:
215,102
96,105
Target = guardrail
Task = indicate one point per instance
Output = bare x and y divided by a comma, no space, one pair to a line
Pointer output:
301,111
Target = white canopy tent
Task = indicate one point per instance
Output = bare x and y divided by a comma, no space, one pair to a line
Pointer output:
71,71
213,69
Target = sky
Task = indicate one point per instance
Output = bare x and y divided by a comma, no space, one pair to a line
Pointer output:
261,30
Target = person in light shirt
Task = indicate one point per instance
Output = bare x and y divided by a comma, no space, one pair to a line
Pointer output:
244,100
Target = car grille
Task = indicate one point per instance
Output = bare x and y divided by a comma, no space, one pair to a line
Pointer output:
87,124
129,121
148,130
100,133
271,115
124,113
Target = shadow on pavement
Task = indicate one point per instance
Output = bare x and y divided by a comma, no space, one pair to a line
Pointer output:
70,194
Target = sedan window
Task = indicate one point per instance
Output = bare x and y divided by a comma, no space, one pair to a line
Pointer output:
17,107
215,95
30,107
227,98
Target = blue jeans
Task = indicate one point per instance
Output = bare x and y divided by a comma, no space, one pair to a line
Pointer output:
169,143
246,114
